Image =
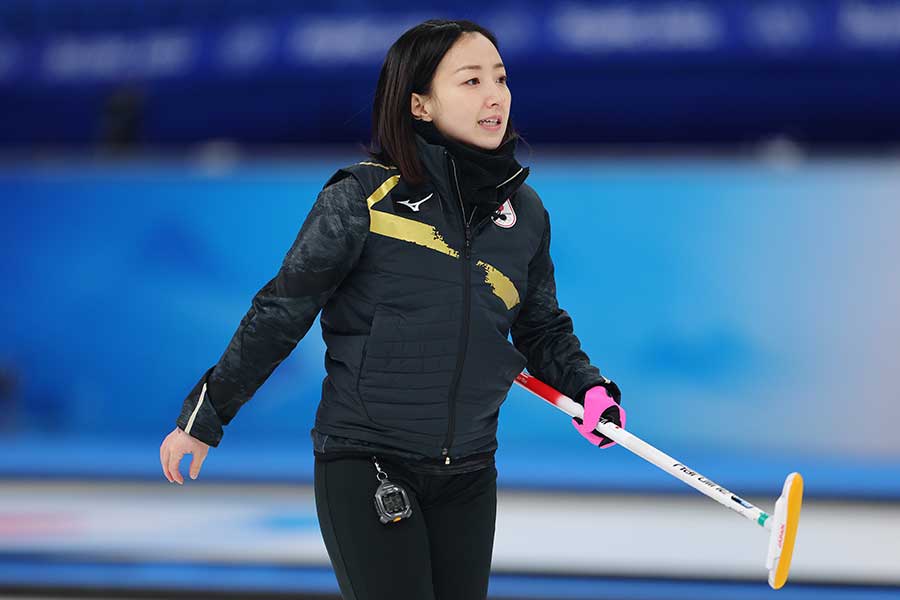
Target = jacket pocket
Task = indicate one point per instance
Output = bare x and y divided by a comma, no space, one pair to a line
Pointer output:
406,372
344,357
375,333
359,370
491,368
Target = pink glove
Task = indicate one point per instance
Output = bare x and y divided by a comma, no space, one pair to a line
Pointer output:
597,404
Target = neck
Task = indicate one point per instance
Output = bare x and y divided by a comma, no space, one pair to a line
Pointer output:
463,150
486,177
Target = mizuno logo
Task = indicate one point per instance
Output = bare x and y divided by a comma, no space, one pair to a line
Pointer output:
415,205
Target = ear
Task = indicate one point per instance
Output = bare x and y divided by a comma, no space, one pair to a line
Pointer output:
419,107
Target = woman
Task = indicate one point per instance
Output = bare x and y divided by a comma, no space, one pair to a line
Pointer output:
422,259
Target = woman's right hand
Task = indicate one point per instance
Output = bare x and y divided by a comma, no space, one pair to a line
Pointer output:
601,401
174,447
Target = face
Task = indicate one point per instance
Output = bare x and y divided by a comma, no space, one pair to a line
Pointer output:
469,85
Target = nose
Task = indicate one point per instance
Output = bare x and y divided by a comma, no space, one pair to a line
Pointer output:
492,98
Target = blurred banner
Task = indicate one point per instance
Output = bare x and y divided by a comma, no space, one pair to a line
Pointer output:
748,310
279,71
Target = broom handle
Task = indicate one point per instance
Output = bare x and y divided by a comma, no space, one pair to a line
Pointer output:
655,457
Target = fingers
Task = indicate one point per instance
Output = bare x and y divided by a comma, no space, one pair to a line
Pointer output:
601,441
173,449
172,462
615,414
197,463
164,458
605,442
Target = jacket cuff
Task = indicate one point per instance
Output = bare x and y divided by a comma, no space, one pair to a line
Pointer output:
610,386
198,417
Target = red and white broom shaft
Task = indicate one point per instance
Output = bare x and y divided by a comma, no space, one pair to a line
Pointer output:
652,455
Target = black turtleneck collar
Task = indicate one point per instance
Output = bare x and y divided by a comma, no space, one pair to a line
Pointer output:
486,177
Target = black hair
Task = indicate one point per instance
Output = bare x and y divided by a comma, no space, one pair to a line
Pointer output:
409,67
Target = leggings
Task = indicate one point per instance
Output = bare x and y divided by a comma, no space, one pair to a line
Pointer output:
441,552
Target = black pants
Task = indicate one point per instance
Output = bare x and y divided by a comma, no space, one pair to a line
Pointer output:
441,552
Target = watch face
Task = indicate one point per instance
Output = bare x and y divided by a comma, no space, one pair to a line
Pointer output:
393,502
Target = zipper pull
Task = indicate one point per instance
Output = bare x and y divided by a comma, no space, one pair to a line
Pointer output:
444,451
468,241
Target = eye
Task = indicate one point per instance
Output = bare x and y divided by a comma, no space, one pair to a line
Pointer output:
501,79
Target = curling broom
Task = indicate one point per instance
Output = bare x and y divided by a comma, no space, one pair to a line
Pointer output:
782,525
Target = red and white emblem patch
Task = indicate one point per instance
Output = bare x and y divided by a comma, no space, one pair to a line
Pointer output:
504,216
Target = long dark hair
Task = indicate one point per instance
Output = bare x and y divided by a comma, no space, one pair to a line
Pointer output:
409,67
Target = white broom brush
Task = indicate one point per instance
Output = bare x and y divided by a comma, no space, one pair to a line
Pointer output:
782,525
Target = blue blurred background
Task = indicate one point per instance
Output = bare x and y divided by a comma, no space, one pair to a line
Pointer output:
722,178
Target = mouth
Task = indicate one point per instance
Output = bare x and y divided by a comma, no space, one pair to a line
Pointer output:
492,123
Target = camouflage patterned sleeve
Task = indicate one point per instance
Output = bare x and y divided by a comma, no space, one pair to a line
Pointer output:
326,249
543,332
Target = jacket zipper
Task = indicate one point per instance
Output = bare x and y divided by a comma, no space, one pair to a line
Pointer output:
467,303
467,300
485,219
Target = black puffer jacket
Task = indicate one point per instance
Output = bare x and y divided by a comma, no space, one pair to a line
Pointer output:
417,309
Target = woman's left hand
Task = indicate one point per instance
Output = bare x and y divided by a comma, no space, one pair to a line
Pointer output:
601,401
